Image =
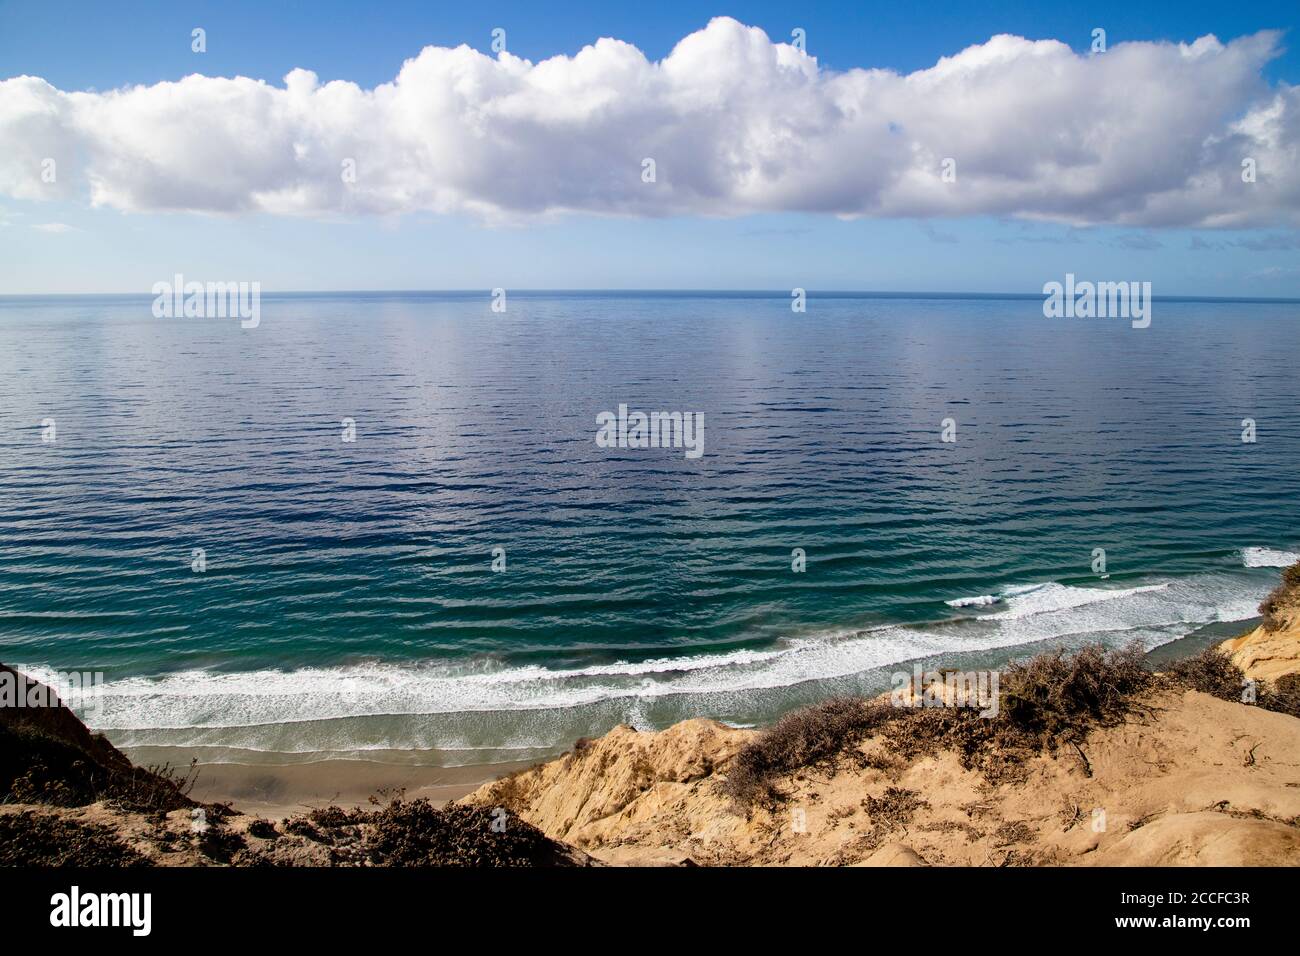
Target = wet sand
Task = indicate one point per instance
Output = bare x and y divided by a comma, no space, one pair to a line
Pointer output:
276,791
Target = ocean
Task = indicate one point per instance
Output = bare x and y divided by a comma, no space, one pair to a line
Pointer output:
474,578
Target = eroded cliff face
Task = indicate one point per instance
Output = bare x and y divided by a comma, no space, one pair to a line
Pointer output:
1272,650
1268,654
652,793
1193,780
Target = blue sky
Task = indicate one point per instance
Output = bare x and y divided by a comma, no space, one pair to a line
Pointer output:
68,245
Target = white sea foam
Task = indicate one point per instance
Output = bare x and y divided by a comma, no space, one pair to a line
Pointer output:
1045,597
1268,558
1052,597
529,705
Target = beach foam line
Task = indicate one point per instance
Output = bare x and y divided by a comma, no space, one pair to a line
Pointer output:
210,700
1268,558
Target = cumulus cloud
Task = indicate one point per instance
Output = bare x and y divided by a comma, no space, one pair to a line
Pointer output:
1144,135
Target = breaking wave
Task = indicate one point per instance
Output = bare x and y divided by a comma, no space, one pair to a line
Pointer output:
1268,558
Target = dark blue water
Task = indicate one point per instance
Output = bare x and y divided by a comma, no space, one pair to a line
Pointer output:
349,600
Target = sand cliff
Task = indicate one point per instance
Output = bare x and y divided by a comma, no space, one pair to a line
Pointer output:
1270,651
1197,781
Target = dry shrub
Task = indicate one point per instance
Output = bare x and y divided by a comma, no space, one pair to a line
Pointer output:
263,830
1284,596
419,834
1013,831
45,840
303,827
416,833
1282,695
156,789
894,807
814,736
1211,672
1059,698
220,844
1049,700
995,747
331,817
511,792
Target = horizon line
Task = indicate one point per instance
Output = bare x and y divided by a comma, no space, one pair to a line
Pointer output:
682,293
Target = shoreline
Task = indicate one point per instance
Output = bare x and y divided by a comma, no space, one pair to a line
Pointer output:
1100,756
278,788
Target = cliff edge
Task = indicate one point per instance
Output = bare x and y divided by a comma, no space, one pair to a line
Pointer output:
1272,650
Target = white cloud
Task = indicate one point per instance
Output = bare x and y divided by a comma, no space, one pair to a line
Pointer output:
54,228
1147,134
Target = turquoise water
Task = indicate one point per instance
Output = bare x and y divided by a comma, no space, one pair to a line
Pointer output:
349,601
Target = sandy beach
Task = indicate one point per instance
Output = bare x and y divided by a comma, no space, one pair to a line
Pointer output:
276,790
